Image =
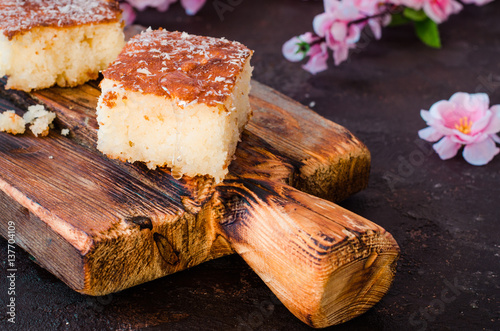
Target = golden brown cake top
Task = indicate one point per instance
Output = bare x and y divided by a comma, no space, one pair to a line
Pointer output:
180,66
17,16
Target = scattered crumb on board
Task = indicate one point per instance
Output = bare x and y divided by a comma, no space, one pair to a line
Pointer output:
39,118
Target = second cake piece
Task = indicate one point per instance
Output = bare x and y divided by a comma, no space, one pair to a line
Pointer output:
177,100
63,42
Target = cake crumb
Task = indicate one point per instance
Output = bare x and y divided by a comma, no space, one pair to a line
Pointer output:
12,123
40,119
65,132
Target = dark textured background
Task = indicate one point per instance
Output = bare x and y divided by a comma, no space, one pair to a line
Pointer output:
444,214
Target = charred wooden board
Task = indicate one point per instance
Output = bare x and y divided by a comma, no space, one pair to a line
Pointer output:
102,226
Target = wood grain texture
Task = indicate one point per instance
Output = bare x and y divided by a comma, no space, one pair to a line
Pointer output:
325,263
101,225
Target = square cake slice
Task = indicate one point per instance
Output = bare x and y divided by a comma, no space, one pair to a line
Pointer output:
177,100
63,42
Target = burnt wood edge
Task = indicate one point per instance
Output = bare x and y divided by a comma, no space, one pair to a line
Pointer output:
331,178
346,277
351,174
168,246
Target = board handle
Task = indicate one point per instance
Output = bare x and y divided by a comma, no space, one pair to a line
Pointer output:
326,264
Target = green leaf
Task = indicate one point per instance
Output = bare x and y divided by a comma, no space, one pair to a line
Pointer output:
428,32
414,15
398,19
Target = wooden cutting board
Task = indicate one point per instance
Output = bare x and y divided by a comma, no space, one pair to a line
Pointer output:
102,226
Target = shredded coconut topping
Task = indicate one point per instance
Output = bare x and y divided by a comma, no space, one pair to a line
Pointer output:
180,66
17,17
144,71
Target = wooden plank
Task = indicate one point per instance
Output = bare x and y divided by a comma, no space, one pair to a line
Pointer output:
325,263
126,224
98,205
33,235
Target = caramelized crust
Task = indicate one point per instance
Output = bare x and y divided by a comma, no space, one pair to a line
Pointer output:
17,17
183,67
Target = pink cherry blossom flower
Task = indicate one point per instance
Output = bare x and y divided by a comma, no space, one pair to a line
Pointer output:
297,48
374,9
318,57
335,26
192,6
436,10
128,13
377,23
464,119
367,7
161,5
414,4
439,10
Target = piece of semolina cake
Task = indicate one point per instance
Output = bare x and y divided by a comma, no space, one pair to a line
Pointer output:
178,100
63,42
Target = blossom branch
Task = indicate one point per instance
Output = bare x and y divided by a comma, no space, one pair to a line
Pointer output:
339,28
392,9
